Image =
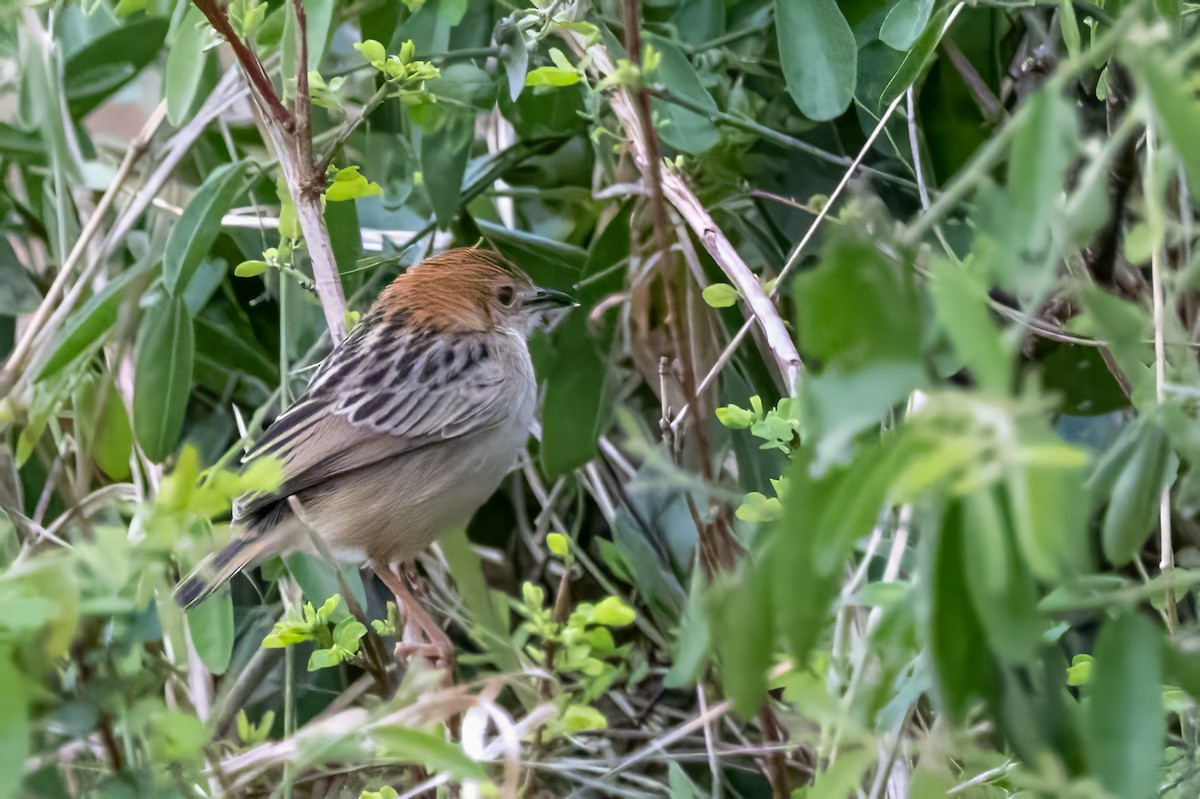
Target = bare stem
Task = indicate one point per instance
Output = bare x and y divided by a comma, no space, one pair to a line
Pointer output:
1167,549
256,74
291,134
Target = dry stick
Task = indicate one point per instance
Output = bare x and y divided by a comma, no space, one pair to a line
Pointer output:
137,148
710,745
290,132
707,716
717,547
1167,552
993,110
679,194
794,257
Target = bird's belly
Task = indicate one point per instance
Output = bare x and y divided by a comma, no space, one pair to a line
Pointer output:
393,510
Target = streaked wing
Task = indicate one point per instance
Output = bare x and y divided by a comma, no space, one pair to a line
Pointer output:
379,395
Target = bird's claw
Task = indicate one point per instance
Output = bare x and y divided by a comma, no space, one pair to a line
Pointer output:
437,656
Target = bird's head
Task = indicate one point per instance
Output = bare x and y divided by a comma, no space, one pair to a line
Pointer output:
468,290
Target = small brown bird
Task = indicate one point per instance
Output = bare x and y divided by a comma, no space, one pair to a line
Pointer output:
404,431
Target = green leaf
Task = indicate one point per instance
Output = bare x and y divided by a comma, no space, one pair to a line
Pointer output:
1127,329
1048,519
194,233
720,295
319,21
319,578
1001,588
97,70
1126,724
856,308
1181,668
94,318
841,778
549,263
818,54
185,65
837,407
163,377
905,23
349,185
372,51
681,128
444,156
741,618
558,544
958,648
205,281
514,56
960,305
345,235
1043,148
106,437
348,633
1080,670
1070,28
1133,501
693,640
430,751
18,294
613,612
250,268
551,76
574,403
14,723
680,783
920,55
210,625
1174,103
324,659
579,718
734,417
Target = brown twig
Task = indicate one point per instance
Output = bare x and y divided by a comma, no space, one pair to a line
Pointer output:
256,74
993,110
291,133
717,547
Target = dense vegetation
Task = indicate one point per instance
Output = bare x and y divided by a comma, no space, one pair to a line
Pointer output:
868,466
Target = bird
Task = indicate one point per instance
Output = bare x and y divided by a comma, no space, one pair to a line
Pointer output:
405,429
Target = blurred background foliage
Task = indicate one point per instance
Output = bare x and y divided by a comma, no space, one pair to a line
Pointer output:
866,466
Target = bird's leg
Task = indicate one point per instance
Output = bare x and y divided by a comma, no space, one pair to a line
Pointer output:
416,620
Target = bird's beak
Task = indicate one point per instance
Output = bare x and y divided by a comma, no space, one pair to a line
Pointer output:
547,299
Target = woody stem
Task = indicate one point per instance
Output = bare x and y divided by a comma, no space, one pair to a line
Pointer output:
290,132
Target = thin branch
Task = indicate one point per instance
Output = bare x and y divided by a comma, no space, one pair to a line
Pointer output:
290,132
1167,548
679,194
261,84
993,110
348,129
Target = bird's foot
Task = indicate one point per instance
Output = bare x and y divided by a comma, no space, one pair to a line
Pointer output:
437,656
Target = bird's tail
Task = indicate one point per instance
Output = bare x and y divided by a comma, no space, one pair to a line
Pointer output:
219,568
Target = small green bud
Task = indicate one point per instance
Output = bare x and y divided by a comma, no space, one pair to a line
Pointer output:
558,543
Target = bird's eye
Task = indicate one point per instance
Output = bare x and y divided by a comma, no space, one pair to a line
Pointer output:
506,295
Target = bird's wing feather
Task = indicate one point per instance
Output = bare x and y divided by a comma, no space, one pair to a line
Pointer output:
378,396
